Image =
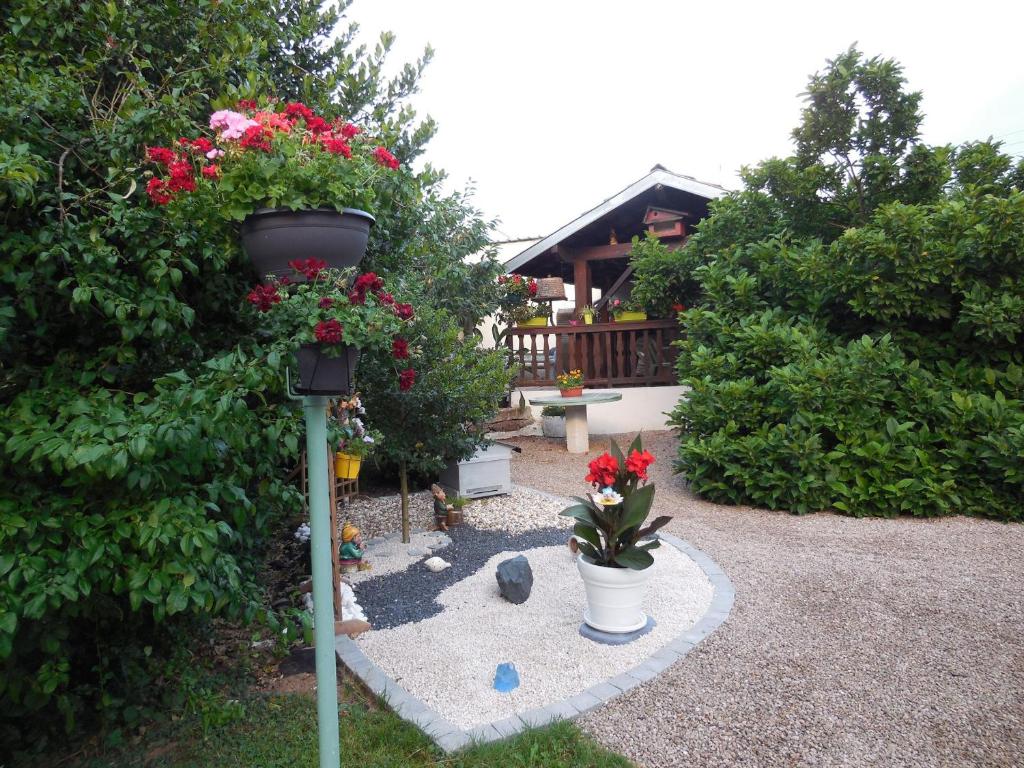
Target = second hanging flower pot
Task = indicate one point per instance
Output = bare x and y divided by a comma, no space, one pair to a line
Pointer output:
272,237
323,374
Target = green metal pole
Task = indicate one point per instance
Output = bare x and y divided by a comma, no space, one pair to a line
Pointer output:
315,409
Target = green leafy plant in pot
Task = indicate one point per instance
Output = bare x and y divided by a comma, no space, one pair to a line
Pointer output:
332,317
614,559
299,182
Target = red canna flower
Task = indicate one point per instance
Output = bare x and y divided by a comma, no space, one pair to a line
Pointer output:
603,470
157,191
406,379
328,332
637,463
264,297
385,158
400,349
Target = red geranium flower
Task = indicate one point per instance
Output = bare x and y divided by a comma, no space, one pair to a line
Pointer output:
326,302
637,463
246,104
406,379
338,147
385,158
533,287
400,349
356,298
328,332
386,298
368,281
264,297
677,307
255,137
161,155
309,267
349,131
317,125
157,191
298,109
404,311
202,144
211,171
181,176
603,470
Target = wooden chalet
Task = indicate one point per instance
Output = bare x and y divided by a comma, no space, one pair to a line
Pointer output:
592,254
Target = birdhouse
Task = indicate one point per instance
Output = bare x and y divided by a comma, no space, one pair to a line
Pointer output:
665,223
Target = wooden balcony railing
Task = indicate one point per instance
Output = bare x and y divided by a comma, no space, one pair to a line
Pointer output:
609,354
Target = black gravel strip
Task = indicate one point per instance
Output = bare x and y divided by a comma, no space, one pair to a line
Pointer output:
409,595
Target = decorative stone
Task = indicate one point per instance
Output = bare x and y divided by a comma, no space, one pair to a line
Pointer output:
506,678
515,579
436,564
418,551
351,627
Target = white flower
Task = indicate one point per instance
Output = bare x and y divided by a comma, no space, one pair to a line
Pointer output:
302,533
368,440
608,497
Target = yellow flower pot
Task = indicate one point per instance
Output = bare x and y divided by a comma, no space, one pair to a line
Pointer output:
631,317
534,322
346,466
588,319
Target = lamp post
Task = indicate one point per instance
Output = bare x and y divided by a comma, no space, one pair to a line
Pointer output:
314,408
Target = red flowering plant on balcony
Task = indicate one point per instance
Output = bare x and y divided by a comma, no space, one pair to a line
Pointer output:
609,527
278,155
515,296
335,308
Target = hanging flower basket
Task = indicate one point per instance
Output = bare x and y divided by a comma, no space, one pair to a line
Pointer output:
272,237
346,465
323,374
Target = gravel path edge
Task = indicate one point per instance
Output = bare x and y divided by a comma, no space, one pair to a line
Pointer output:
450,738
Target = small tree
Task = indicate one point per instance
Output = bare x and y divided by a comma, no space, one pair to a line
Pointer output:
437,412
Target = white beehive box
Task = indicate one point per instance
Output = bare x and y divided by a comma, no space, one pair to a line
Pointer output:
486,473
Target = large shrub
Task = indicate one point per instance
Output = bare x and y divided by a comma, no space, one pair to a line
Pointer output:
857,339
143,428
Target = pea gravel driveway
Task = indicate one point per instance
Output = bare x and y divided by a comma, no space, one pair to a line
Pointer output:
851,642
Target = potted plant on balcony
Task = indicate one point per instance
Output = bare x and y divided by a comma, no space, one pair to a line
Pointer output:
586,314
352,439
614,559
627,311
330,318
570,384
300,183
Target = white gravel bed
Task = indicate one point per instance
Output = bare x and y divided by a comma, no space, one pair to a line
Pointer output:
519,511
391,555
449,660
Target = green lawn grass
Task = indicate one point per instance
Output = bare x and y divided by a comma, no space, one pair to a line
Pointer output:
280,732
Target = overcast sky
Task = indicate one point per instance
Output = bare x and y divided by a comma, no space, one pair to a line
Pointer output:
551,107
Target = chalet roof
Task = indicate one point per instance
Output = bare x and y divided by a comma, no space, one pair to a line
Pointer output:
659,176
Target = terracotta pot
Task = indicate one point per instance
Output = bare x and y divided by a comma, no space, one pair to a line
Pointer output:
272,237
346,466
571,392
455,517
614,596
321,374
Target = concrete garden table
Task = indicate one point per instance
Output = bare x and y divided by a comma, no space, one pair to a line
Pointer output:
577,437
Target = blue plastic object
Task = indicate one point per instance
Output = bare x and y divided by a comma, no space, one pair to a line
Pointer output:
506,678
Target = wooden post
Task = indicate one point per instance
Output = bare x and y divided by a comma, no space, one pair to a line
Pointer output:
581,283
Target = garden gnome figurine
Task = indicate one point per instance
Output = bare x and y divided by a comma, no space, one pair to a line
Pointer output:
351,552
441,508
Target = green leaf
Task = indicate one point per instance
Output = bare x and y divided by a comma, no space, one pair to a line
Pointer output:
635,508
634,558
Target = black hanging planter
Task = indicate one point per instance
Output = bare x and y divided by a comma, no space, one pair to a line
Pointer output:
272,237
320,374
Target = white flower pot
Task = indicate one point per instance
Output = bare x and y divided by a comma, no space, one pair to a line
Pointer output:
614,596
553,426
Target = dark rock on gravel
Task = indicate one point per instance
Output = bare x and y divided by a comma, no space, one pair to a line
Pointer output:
515,579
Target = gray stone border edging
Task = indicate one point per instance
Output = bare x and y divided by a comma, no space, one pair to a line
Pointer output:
449,737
